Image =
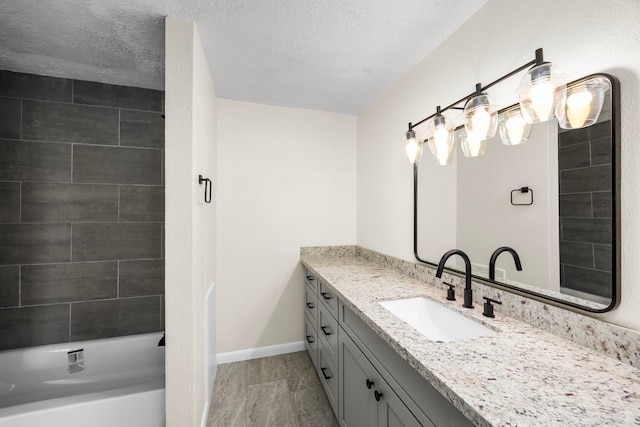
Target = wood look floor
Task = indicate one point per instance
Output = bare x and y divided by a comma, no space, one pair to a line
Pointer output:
273,391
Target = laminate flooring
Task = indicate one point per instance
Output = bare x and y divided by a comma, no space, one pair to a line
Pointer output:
282,391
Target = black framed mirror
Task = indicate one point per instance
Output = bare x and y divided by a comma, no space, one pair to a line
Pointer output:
567,236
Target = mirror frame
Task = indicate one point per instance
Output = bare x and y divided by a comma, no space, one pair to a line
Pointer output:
615,195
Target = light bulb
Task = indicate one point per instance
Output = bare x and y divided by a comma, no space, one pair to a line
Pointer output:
440,140
542,99
578,108
474,145
481,121
413,150
441,137
515,129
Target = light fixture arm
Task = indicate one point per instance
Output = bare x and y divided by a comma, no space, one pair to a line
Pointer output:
539,59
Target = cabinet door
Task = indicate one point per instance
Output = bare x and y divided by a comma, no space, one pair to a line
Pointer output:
357,384
391,411
311,340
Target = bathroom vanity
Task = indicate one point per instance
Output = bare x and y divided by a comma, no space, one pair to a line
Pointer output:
379,371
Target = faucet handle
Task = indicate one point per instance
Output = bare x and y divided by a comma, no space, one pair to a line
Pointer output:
451,292
488,308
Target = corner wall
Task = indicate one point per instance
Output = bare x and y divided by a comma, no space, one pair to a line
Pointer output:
286,179
190,224
501,36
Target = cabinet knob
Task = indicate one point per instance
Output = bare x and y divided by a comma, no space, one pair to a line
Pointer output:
377,395
324,330
369,383
309,277
326,295
309,340
310,305
324,373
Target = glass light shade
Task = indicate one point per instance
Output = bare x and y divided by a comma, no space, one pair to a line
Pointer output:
582,104
412,147
440,131
480,118
540,92
514,129
471,146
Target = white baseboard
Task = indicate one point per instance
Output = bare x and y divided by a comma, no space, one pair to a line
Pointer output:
256,353
205,415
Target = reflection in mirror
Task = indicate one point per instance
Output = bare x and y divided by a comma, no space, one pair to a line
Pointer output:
562,226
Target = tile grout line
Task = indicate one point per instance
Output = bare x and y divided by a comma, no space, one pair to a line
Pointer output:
21,115
19,286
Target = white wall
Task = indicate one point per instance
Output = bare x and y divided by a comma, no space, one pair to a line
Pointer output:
190,141
286,178
596,37
487,220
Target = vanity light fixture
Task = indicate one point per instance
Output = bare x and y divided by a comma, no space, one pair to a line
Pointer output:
542,95
440,137
582,103
514,129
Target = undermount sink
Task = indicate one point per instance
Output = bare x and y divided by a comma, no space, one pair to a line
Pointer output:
436,321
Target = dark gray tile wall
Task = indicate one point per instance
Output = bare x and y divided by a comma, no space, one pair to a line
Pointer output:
81,210
585,171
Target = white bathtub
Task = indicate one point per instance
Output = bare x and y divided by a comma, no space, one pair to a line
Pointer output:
122,384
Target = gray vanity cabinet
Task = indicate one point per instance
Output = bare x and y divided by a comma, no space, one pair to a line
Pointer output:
365,397
311,316
367,382
328,333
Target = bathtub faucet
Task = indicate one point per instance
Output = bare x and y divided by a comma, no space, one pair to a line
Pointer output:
161,342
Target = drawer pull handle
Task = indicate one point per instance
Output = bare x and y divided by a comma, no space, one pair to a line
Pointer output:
309,277
310,305
369,383
324,373
377,395
326,295
324,330
309,339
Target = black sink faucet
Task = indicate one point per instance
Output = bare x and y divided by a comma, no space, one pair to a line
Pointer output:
494,257
468,292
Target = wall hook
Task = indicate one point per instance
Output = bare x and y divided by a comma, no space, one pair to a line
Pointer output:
207,188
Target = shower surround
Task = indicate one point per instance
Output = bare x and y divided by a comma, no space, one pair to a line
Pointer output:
81,210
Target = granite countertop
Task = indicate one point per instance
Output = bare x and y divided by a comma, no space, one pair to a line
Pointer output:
522,376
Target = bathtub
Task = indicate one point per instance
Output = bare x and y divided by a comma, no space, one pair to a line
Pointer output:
111,382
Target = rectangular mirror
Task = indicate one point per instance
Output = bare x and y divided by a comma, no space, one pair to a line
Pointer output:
554,200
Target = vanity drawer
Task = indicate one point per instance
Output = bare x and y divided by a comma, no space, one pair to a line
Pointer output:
329,299
328,374
311,339
328,333
310,279
311,304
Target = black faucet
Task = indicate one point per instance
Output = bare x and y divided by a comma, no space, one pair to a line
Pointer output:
494,257
468,292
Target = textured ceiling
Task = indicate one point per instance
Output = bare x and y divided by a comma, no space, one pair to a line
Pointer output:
332,55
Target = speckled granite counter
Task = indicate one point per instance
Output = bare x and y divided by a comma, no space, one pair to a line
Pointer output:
523,376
